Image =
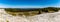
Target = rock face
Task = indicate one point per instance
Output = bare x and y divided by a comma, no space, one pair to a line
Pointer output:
45,17
4,17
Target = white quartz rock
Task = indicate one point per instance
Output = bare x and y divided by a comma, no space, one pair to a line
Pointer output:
45,17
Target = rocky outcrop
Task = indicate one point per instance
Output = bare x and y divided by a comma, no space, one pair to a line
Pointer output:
4,17
45,17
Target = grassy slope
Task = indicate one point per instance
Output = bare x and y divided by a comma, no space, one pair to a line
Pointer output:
15,11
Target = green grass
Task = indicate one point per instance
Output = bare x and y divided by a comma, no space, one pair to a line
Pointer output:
25,11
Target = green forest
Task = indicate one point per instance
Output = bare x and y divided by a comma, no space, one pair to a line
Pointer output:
47,9
32,10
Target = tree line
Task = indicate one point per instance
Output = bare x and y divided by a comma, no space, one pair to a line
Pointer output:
47,9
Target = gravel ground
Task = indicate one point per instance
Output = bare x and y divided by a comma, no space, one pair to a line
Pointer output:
45,17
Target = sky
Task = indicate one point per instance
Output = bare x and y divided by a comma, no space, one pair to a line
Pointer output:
29,3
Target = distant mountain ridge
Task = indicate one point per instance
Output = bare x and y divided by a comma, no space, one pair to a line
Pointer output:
31,9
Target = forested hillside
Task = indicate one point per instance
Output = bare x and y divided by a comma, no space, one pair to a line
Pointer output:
33,11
